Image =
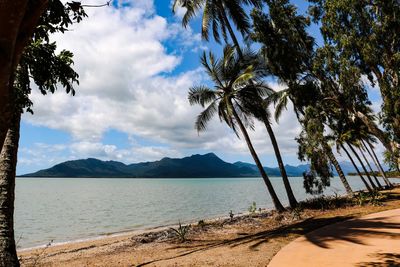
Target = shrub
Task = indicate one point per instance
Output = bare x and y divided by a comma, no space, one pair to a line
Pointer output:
253,207
181,232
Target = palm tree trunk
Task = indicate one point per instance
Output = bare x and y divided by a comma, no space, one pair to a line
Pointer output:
339,170
292,200
8,163
278,205
231,32
355,166
370,168
362,165
376,162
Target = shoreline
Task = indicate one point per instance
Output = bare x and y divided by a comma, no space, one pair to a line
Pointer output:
135,232
146,230
247,240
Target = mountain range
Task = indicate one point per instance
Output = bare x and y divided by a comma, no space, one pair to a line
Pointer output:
195,166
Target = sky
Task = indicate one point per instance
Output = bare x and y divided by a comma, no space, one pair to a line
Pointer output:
136,63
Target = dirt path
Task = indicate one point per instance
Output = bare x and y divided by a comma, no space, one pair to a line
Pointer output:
372,240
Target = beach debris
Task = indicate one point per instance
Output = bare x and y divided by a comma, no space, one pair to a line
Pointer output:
231,215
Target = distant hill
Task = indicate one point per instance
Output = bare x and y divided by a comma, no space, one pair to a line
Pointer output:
195,166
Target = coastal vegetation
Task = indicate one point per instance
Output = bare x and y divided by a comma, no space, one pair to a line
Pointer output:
327,84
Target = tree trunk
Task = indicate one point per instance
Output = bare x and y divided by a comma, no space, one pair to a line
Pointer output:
376,162
292,200
278,205
355,166
8,163
378,133
370,168
18,20
362,165
339,170
231,32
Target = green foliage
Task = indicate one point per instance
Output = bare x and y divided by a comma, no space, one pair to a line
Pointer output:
361,198
40,62
362,39
286,45
312,147
181,232
296,212
216,15
326,202
237,83
253,207
374,198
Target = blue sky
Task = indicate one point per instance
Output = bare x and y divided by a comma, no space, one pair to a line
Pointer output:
136,64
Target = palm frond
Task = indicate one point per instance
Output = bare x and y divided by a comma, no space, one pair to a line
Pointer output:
205,116
201,95
282,104
245,77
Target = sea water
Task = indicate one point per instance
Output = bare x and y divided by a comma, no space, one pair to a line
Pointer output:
66,209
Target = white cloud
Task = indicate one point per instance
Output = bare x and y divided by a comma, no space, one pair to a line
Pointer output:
127,83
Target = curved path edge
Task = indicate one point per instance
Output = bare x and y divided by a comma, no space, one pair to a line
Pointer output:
371,240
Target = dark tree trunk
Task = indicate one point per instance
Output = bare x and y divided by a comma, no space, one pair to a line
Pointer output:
362,165
8,163
370,168
278,205
377,163
355,166
292,200
18,20
231,32
339,170
374,129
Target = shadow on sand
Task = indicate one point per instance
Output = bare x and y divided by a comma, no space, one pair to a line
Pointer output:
254,240
351,231
354,230
382,260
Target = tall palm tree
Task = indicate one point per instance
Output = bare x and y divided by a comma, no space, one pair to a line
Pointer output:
362,165
230,79
217,15
372,154
301,96
254,105
370,168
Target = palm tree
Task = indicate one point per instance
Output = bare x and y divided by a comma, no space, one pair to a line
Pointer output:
217,14
370,168
355,166
362,165
230,79
254,105
376,161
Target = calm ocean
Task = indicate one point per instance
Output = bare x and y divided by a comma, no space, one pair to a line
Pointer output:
67,209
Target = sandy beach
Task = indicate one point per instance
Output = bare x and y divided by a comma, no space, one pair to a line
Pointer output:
247,240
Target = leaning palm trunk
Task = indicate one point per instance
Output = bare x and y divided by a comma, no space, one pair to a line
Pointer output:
339,170
292,200
278,205
8,163
370,168
362,166
376,162
355,166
